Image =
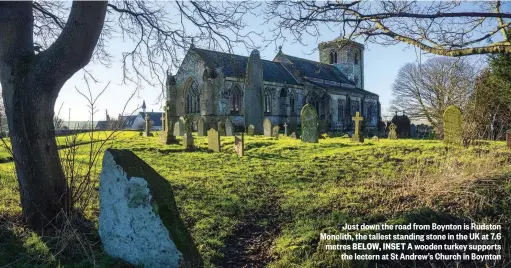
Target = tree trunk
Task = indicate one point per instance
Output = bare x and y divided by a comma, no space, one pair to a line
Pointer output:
30,86
42,184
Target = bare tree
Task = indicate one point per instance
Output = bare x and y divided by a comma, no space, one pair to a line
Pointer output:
43,44
424,91
448,28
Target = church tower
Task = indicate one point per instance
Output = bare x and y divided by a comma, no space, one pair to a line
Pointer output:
345,55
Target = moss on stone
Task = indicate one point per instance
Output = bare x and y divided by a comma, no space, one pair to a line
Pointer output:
163,203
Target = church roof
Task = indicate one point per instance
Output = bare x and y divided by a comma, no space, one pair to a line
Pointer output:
318,70
236,66
154,117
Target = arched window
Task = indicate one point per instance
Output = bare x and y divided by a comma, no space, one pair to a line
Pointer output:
193,98
267,100
341,104
333,57
292,103
356,57
235,97
283,101
313,99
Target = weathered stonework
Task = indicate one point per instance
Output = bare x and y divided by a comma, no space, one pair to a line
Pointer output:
452,125
138,220
254,93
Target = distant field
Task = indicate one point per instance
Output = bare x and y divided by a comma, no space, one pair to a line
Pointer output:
270,206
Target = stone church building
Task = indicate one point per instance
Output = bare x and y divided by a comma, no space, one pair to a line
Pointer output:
213,85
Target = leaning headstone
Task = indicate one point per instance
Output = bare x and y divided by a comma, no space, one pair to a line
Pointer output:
201,127
147,130
309,119
285,129
188,141
221,128
239,145
508,138
357,137
275,131
452,125
213,140
267,126
392,132
250,131
139,221
229,127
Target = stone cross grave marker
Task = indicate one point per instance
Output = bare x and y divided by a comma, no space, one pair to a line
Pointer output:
250,131
357,137
229,127
285,129
163,127
392,132
221,128
147,130
188,141
239,144
275,131
452,125
309,119
267,127
201,127
213,140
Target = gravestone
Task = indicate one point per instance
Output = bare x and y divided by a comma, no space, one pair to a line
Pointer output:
357,137
285,129
293,135
213,140
375,138
188,141
267,126
139,221
179,128
452,125
221,128
229,127
392,132
250,131
253,93
239,144
309,119
323,126
413,131
275,131
201,127
508,138
147,129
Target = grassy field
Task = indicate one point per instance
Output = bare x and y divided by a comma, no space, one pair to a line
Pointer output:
268,208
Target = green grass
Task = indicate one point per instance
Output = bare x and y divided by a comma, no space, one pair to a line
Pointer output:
288,192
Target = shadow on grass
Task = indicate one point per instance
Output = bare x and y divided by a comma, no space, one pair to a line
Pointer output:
75,245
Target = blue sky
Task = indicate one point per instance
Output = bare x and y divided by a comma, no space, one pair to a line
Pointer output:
382,64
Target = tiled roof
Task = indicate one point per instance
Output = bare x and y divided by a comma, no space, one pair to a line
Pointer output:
236,66
318,70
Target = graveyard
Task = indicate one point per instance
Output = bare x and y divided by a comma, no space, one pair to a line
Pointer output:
267,207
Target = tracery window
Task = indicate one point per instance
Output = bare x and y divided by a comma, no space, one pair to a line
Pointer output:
267,100
235,97
193,98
